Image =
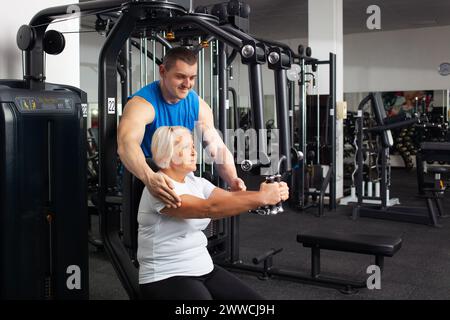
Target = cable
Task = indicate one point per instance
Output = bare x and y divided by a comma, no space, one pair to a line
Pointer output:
377,159
356,152
23,64
76,17
81,31
67,19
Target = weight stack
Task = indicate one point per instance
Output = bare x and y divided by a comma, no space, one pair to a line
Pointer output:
43,203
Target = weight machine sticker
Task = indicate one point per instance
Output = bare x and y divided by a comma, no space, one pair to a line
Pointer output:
111,105
84,109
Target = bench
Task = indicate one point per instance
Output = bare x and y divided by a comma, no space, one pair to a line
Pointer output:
376,245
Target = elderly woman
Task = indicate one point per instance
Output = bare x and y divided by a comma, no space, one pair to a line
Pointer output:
174,261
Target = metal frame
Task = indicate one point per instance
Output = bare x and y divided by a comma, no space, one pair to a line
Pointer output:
109,207
299,195
133,17
426,215
233,262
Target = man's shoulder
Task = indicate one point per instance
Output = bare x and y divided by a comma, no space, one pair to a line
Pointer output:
139,103
146,95
147,90
193,93
192,97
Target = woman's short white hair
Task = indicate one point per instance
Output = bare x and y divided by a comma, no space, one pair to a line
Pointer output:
163,142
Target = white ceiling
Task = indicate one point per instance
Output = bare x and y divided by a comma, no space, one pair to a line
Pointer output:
288,19
285,19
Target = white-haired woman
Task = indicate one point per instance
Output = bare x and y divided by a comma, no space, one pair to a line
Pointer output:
174,261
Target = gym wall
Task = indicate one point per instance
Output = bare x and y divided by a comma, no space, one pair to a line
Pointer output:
409,60
63,68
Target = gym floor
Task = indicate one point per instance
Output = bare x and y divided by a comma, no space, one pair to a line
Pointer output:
418,271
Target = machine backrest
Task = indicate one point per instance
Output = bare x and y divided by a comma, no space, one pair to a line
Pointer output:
132,192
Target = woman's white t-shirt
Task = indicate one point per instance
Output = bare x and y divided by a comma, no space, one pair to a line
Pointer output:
169,246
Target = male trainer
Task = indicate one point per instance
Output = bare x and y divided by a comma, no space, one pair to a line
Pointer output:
170,102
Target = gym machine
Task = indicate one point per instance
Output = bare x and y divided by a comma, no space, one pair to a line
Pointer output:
140,19
145,19
279,61
376,203
432,146
431,152
224,245
43,216
308,178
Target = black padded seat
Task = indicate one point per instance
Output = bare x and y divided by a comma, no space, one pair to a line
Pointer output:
359,243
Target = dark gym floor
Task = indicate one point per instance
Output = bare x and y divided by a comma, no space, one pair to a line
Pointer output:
420,270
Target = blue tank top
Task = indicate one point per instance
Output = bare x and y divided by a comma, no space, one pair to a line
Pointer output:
183,113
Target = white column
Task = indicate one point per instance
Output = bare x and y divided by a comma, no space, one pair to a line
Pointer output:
325,35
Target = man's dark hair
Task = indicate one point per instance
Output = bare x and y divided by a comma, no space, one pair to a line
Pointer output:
179,53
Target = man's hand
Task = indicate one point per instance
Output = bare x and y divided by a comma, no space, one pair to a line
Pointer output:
237,185
160,186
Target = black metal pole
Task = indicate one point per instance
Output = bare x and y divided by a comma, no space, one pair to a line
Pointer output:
256,100
109,213
300,181
292,110
123,74
236,32
232,224
384,180
34,62
223,94
359,153
149,54
129,68
216,31
282,116
359,157
333,130
34,59
256,95
163,41
235,107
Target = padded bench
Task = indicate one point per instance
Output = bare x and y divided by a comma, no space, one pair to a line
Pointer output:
376,245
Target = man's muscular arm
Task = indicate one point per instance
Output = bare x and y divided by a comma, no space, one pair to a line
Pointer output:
137,113
217,149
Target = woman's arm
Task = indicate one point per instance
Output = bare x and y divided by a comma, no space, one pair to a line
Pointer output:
222,204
